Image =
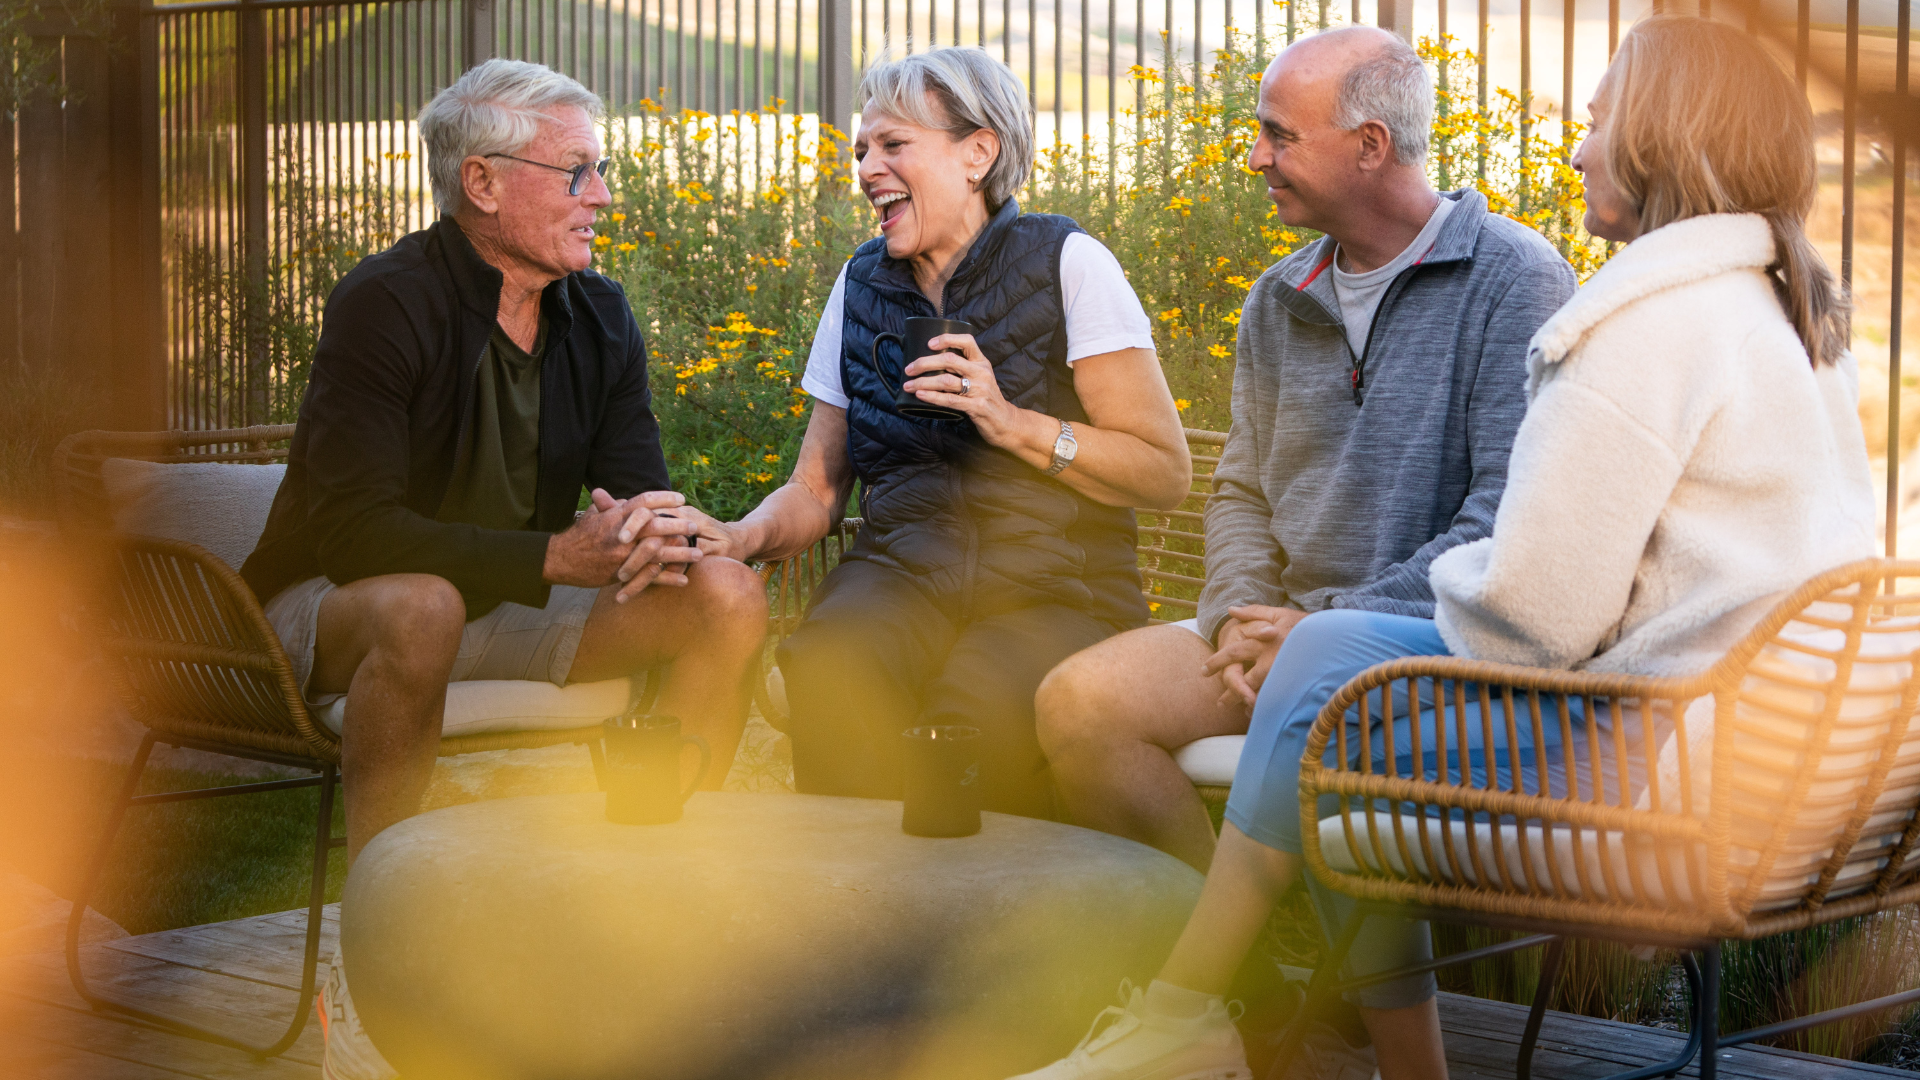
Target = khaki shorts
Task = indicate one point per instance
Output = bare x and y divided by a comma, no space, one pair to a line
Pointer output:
512,641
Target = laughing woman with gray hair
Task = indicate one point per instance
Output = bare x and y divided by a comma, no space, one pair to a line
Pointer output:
989,378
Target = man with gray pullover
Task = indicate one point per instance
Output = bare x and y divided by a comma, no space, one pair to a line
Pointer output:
1379,380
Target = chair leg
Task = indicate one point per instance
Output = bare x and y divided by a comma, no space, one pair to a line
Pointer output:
1318,988
1697,1021
1542,994
1707,1013
316,902
598,754
90,881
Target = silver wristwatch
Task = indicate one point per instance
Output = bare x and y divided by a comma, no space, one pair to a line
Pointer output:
1064,448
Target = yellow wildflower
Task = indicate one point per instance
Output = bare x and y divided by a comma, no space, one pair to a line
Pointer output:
1219,352
1170,314
1181,404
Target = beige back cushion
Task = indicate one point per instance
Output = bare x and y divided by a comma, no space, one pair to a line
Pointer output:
220,506
1776,713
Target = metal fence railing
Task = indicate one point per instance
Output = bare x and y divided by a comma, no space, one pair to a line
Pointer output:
264,106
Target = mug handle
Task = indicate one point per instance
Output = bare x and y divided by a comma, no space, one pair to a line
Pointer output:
706,759
873,358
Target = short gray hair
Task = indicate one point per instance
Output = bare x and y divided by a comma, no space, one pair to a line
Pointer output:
495,108
971,90
1393,87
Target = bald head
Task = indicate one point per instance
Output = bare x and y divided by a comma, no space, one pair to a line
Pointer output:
1349,76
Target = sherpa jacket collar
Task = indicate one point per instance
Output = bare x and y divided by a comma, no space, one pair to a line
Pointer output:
1312,299
1684,252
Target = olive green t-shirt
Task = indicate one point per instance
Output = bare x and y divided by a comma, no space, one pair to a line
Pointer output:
497,466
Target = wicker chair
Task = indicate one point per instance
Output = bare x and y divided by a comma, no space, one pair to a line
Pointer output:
1781,794
200,667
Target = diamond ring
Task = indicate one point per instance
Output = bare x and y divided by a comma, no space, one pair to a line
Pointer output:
966,387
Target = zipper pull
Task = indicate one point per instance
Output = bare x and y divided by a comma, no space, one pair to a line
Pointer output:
1355,379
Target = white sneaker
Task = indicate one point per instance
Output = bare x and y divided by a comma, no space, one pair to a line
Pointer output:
1131,1043
350,1055
1326,1055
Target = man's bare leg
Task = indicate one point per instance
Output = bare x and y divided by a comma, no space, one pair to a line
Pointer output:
388,643
1109,720
709,632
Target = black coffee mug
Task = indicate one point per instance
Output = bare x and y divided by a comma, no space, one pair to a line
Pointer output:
643,769
913,346
942,781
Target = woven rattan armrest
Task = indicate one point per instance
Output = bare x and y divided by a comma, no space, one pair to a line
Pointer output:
195,654
1711,857
1463,867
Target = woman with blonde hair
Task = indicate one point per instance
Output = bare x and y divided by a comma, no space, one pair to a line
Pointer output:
1690,452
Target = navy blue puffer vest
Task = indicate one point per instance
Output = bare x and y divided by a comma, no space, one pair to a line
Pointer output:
979,530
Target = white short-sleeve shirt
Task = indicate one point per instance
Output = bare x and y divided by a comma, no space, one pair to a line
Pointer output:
1103,316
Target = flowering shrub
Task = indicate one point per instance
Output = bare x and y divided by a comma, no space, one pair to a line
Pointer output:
727,267
1194,229
727,232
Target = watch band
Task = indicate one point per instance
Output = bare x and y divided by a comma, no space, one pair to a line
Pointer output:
1064,449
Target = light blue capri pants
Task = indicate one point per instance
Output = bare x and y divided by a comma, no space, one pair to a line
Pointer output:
1320,655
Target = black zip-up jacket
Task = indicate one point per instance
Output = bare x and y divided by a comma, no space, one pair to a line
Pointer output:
386,409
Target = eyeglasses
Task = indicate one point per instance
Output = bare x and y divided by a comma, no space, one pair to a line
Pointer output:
576,176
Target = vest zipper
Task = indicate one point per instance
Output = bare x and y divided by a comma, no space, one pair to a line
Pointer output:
970,565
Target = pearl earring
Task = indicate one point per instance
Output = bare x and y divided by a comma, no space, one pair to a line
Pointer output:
975,176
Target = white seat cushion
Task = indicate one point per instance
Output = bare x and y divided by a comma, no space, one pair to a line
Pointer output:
1211,761
1784,887
485,706
220,506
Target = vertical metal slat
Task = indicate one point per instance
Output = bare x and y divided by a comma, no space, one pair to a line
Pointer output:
1898,273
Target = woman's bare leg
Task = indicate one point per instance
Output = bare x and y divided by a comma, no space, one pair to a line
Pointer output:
1407,1044
1247,879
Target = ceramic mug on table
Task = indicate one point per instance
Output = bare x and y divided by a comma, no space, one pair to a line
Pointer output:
643,769
942,781
913,346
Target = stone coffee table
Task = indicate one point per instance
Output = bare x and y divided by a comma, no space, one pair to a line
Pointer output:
787,936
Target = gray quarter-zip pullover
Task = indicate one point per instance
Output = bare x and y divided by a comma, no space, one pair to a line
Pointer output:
1346,473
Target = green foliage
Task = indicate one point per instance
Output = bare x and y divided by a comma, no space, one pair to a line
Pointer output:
39,405
1825,967
210,860
1186,219
727,267
30,64
250,338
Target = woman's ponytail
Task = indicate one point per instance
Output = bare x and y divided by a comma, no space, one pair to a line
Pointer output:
1813,300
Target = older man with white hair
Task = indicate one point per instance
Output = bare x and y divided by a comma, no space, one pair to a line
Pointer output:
470,383
1379,382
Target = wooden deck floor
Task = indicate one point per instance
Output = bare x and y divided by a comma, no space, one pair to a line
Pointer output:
244,975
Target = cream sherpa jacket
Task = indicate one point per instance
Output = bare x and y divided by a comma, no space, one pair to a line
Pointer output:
1680,466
